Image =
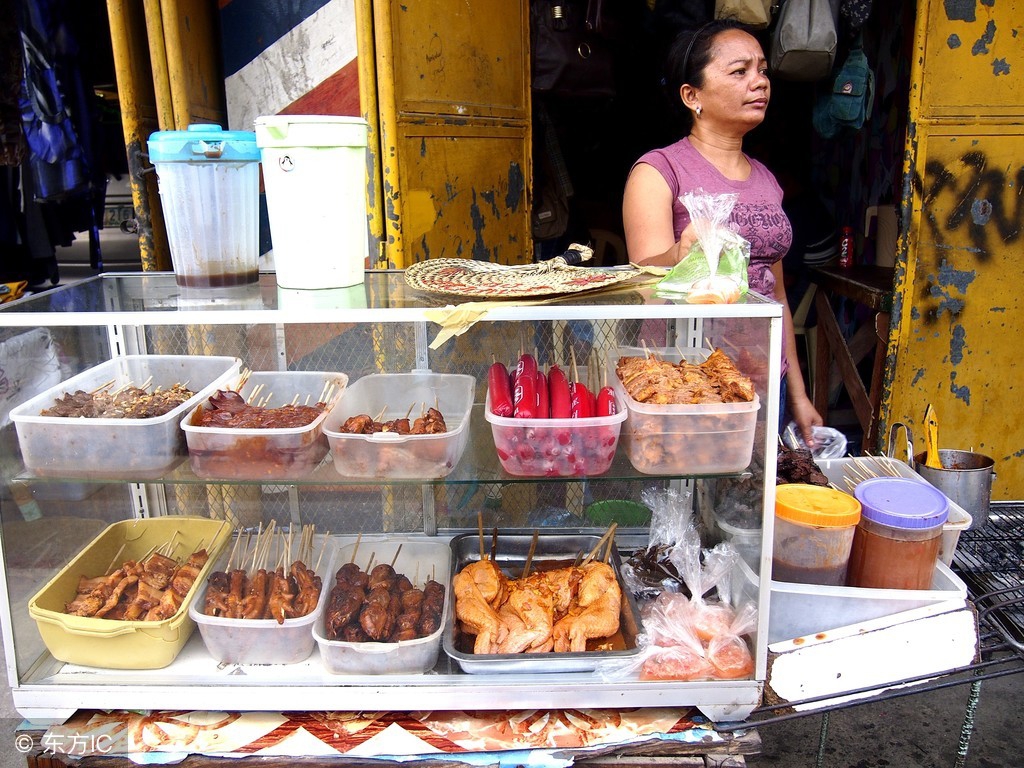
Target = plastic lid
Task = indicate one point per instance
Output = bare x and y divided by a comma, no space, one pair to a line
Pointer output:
901,502
203,143
816,505
311,131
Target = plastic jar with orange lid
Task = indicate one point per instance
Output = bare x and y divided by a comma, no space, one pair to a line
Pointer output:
814,528
897,541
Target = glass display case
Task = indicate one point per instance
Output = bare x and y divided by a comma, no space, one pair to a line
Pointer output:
381,327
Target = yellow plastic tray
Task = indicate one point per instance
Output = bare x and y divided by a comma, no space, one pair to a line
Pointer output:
124,644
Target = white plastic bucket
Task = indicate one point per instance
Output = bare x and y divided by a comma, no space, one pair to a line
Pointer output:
314,174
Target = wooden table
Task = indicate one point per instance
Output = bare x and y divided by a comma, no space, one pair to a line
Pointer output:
872,287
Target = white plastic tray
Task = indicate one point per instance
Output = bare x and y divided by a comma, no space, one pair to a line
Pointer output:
839,470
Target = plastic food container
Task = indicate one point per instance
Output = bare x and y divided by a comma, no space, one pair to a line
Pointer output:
389,455
556,447
262,641
267,454
897,541
685,439
814,528
314,173
420,561
746,540
118,448
209,182
125,644
839,472
806,609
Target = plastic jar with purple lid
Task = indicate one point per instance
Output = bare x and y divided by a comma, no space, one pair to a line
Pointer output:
897,540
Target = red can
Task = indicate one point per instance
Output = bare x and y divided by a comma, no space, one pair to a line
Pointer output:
846,247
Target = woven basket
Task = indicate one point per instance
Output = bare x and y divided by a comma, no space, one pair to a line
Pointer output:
480,279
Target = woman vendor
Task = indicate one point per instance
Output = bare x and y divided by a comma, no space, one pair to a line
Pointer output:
719,75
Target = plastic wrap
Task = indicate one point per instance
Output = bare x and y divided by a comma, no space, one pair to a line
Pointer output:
714,270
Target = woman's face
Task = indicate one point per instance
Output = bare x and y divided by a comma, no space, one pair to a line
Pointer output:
736,88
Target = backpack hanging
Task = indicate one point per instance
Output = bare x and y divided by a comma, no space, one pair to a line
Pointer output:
753,13
804,41
572,53
848,103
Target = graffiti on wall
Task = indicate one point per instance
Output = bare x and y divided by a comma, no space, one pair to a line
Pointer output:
967,206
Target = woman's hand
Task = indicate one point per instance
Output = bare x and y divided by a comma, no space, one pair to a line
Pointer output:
805,415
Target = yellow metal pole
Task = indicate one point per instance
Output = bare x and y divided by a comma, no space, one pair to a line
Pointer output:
135,95
391,201
158,61
370,109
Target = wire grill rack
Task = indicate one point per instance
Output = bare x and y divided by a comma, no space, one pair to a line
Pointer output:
989,560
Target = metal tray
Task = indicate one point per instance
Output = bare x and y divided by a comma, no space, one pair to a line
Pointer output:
553,550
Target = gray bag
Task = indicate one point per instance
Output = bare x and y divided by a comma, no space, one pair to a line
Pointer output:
804,40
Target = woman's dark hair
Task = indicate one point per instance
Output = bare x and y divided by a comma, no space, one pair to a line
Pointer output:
688,57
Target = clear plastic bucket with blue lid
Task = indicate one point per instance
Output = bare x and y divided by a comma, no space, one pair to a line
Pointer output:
203,143
208,180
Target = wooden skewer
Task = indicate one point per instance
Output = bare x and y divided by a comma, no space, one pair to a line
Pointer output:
480,529
529,555
243,379
369,563
323,548
355,549
111,568
395,558
600,543
255,392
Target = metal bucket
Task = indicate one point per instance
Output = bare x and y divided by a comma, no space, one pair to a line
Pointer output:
965,477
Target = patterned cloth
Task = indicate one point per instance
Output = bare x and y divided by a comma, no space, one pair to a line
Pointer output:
371,734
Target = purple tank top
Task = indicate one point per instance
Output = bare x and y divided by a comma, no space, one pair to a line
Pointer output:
758,216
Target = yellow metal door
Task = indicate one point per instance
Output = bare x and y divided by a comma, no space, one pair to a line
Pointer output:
168,75
451,93
959,312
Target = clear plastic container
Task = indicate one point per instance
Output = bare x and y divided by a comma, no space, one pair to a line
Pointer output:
389,455
556,447
267,454
118,448
897,541
807,609
209,182
851,470
263,641
814,527
685,439
417,559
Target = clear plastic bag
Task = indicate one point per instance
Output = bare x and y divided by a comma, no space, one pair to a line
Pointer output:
829,443
714,270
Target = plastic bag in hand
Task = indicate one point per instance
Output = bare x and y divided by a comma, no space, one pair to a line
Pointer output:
714,270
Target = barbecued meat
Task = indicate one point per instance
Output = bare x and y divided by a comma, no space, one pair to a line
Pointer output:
430,423
149,591
227,408
796,465
659,382
596,612
558,609
382,606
